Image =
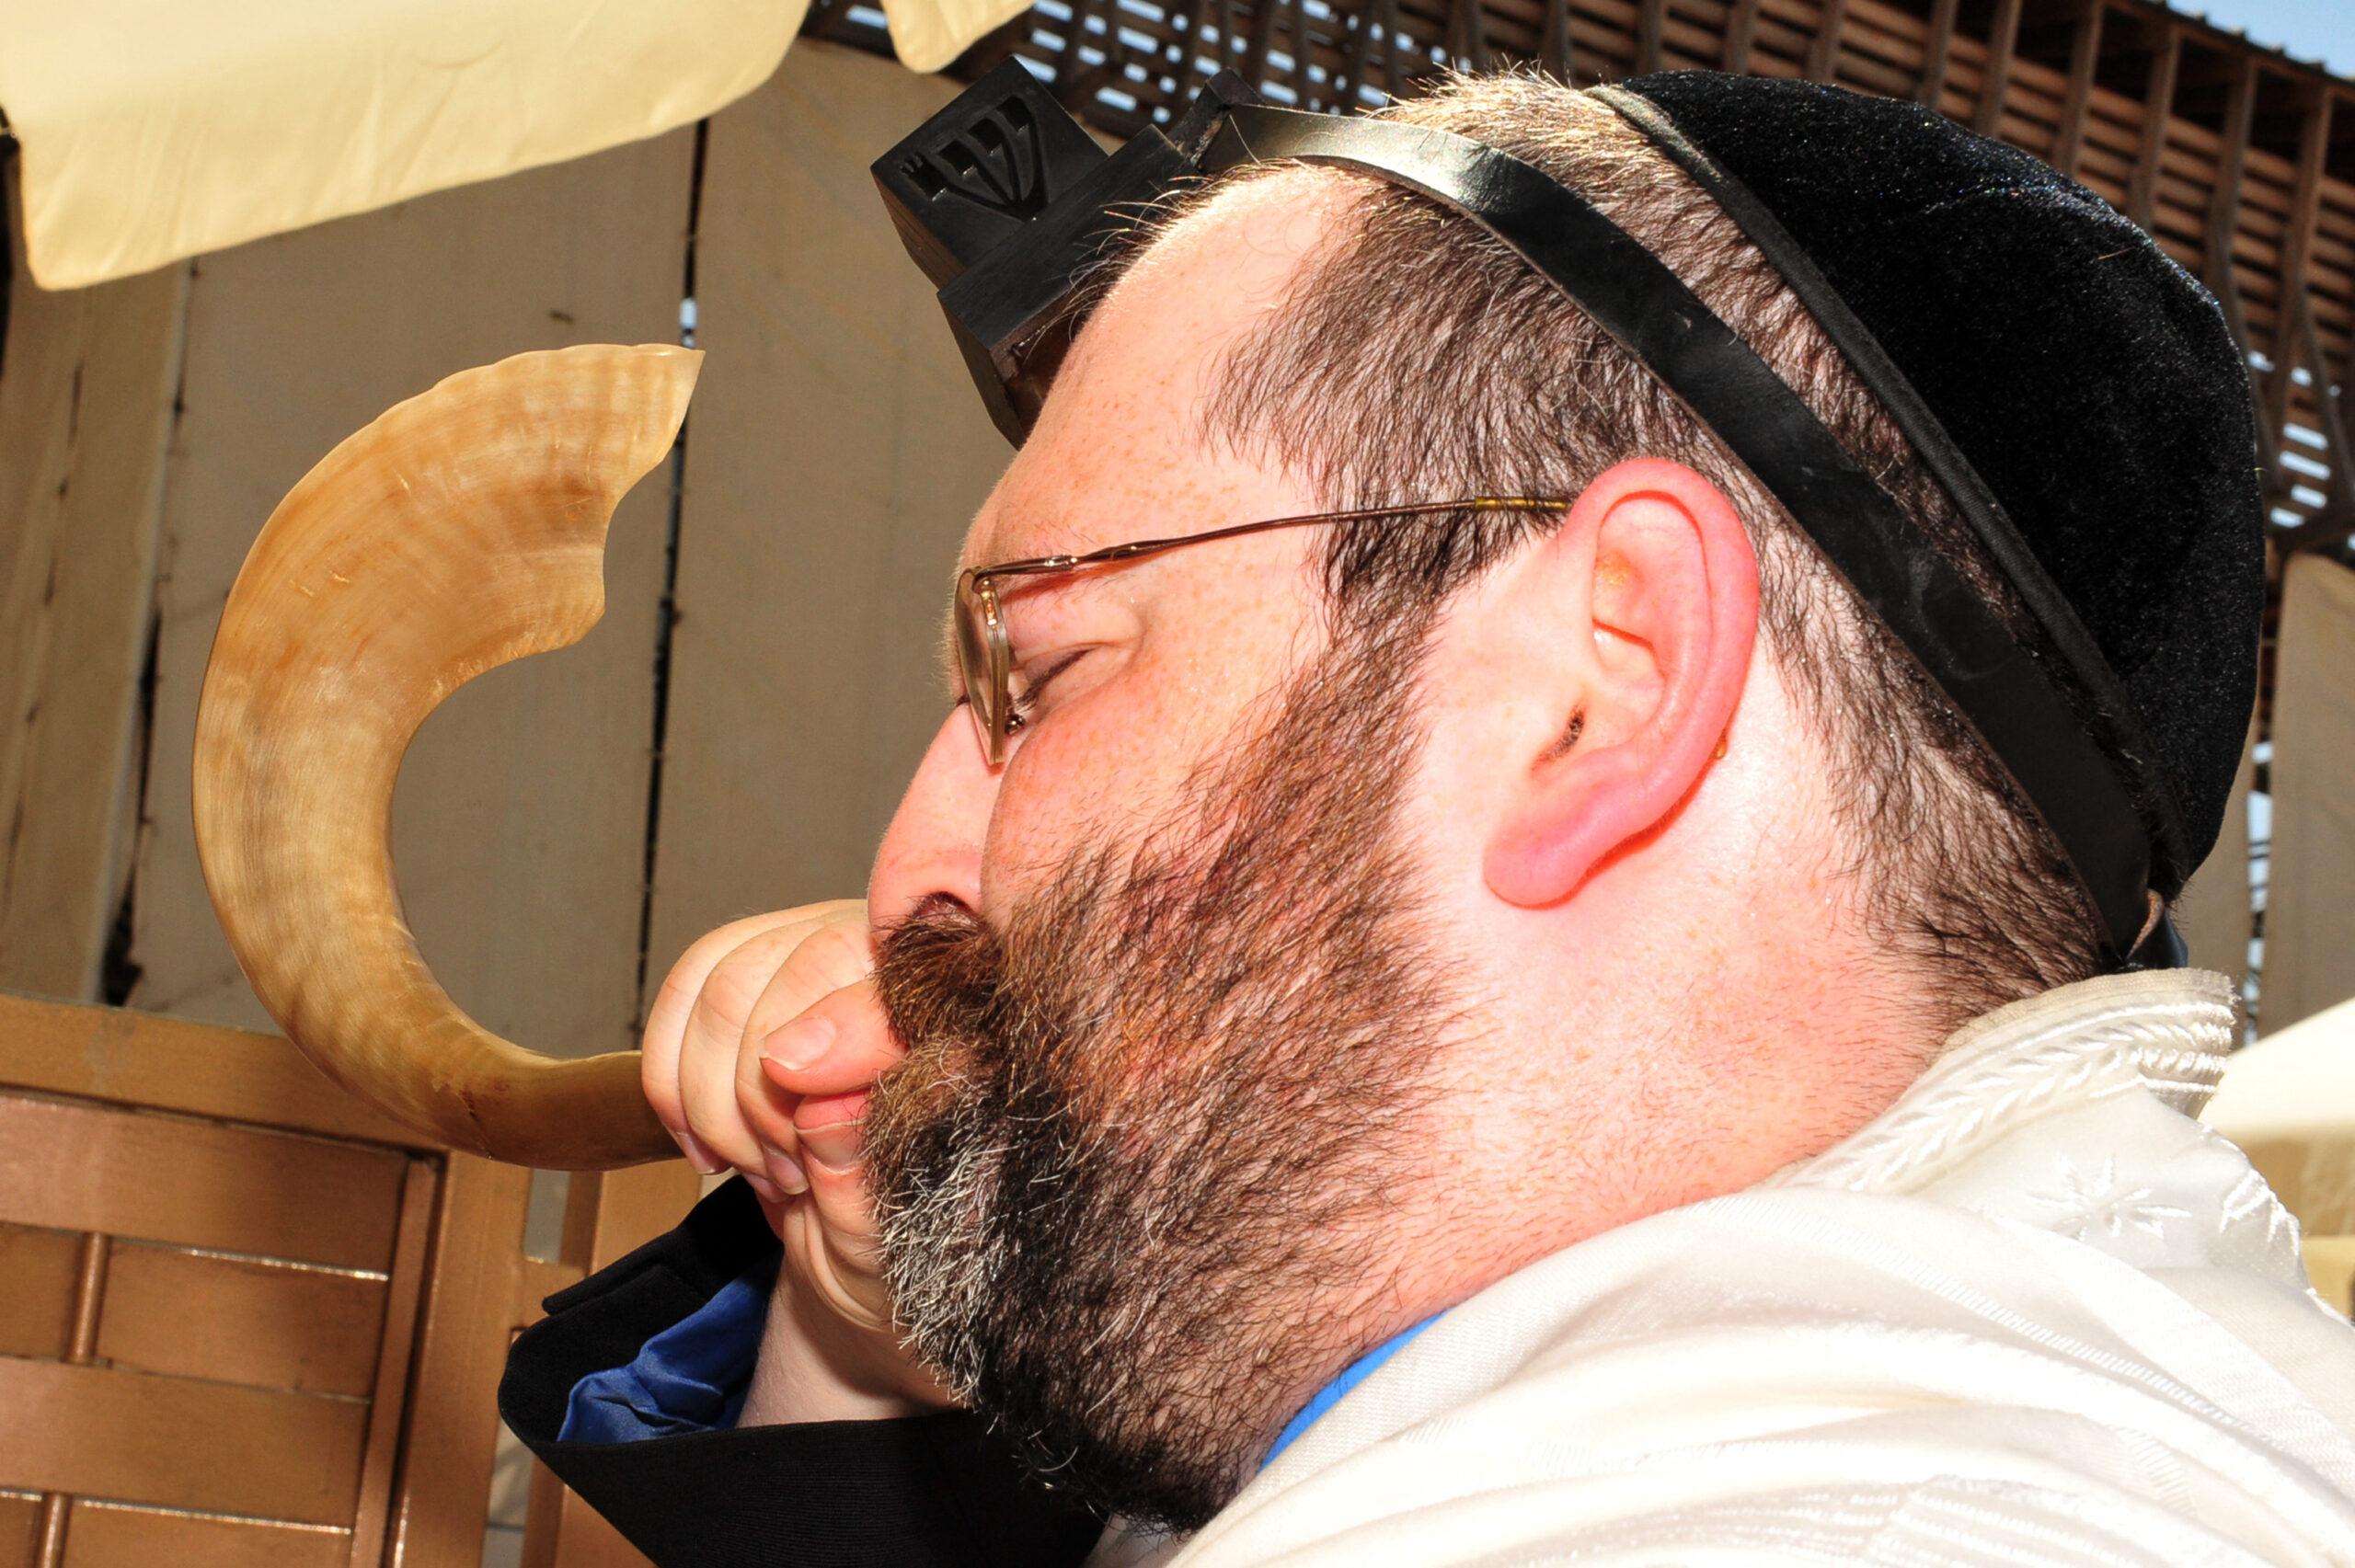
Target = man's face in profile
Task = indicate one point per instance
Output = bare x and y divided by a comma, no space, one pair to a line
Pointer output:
1160,1078
1251,1014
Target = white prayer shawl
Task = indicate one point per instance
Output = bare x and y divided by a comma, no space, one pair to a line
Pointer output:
2033,1314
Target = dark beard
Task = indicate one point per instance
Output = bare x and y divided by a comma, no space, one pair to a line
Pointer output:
1133,1173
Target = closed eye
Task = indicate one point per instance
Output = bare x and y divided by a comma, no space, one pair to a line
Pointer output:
1033,686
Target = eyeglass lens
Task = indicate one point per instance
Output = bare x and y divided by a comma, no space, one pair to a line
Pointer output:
981,656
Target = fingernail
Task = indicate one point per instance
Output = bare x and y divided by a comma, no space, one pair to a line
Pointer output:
785,1171
762,1188
834,1147
702,1159
798,1043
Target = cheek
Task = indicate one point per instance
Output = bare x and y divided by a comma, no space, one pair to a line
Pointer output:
1210,657
1114,765
1094,773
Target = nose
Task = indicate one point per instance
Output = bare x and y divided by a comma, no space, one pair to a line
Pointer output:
933,845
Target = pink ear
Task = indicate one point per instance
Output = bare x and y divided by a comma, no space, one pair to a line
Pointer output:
1688,593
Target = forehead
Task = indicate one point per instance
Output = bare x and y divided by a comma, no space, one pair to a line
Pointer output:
1119,440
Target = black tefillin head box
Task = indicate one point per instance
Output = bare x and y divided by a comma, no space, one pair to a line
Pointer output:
1004,200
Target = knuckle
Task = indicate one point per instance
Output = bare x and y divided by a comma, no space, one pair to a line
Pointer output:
735,984
840,950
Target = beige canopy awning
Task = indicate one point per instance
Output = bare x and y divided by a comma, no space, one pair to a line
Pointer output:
154,129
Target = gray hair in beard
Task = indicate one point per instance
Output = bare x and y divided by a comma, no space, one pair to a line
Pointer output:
1134,1169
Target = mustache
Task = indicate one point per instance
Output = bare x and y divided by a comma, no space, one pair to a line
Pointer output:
939,972
969,1007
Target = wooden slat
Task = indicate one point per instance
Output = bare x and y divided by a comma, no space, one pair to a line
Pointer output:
36,1291
267,1325
565,1532
1394,68
610,1215
536,1279
813,399
1305,48
1467,34
2224,205
1891,34
195,1183
19,1528
1259,39
605,1216
2305,203
2084,53
1824,53
519,824
136,1058
91,1254
2224,209
1356,49
2309,921
178,1442
107,1535
1742,32
1648,35
1554,50
1940,53
1075,84
84,413
371,1518
2331,416
443,1490
2001,36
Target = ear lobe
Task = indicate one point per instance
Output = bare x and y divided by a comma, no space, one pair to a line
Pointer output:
1673,608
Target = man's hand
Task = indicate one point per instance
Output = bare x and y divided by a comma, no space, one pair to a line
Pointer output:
759,1054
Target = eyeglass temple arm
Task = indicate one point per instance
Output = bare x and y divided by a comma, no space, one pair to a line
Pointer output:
1135,548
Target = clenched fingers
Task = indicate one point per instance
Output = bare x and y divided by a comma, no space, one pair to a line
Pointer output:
695,1024
839,1045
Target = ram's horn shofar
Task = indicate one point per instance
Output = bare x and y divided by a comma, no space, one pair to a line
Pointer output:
463,530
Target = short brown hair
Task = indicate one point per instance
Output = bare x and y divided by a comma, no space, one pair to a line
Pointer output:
1416,356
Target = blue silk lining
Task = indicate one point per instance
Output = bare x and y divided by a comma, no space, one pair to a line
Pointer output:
691,1377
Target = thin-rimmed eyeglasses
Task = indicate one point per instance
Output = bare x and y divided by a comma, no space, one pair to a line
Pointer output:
985,661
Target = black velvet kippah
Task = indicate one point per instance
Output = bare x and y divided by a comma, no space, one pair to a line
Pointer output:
2089,382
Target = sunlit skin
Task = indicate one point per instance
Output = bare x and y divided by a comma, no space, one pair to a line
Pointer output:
1669,995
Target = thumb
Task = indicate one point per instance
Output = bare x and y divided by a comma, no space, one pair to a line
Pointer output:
842,1044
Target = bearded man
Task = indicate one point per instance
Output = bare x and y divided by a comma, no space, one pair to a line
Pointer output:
1536,1008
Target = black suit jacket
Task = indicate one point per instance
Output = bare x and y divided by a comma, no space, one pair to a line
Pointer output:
926,1491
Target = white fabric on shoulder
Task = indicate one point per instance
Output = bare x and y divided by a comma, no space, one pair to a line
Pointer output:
2033,1314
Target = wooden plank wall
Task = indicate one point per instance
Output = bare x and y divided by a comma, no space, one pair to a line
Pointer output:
213,1368
521,824
2214,916
835,452
842,453
519,827
2309,916
85,402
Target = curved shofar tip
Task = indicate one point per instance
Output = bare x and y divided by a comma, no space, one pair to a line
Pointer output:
464,529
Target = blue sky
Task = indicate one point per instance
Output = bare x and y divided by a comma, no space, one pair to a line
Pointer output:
2310,29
